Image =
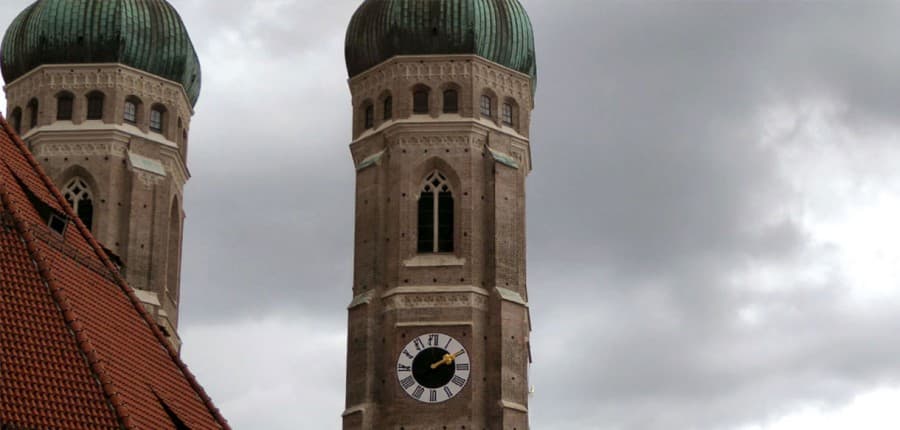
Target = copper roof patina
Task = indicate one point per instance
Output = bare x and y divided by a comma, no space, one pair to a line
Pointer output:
498,30
144,34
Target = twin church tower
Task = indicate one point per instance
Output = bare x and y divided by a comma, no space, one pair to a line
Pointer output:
102,92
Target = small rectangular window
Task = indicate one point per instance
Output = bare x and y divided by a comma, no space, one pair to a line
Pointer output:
388,108
130,112
486,108
420,101
370,116
507,114
156,120
64,108
95,107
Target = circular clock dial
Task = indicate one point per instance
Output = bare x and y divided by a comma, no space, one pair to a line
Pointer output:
433,368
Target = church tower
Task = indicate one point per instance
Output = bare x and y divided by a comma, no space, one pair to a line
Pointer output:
102,91
439,326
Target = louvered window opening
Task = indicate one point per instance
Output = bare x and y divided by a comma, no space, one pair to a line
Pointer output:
420,101
64,107
451,101
95,106
435,215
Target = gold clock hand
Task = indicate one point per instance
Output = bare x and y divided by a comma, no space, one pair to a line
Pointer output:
448,359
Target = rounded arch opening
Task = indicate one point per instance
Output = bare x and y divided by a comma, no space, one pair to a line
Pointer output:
132,109
33,113
421,94
95,101
173,252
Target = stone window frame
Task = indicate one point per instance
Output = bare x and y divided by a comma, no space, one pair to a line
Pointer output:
486,106
509,114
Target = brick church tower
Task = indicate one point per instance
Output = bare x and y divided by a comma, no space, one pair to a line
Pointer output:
439,326
102,92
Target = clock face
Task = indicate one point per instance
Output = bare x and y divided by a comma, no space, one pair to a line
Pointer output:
433,368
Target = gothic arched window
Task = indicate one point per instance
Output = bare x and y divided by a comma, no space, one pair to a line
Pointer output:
420,100
16,118
32,113
451,101
388,108
436,215
95,105
78,194
64,102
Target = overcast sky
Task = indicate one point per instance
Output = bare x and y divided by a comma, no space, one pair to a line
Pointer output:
713,214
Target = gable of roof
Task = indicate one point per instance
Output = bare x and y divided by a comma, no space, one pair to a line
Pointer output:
77,348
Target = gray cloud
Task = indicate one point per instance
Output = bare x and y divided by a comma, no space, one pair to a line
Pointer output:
652,207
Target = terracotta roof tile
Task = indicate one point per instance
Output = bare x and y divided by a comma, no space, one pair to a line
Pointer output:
77,348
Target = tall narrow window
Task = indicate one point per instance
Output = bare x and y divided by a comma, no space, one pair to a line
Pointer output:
32,113
157,116
435,215
16,118
95,105
486,108
173,253
420,101
388,108
130,112
507,114
451,101
78,194
369,115
64,103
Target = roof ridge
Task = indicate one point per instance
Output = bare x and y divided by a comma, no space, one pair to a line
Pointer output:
113,397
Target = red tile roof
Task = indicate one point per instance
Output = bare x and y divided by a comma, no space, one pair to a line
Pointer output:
77,348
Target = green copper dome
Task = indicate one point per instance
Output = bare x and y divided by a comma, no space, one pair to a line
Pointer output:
498,30
144,34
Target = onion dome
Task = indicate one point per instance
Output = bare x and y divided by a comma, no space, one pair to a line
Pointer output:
498,30
144,34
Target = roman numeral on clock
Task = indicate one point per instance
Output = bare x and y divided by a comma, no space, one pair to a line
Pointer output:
418,344
448,392
408,355
432,396
458,381
462,366
418,393
407,382
434,339
405,368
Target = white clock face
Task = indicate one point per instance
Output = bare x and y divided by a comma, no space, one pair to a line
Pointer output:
433,368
